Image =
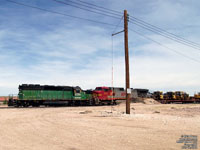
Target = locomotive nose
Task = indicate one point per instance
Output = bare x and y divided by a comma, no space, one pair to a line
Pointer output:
96,92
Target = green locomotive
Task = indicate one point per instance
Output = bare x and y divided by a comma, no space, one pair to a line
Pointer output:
36,95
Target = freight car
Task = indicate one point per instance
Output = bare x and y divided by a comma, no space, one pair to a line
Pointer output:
177,97
197,96
158,95
180,95
170,95
36,95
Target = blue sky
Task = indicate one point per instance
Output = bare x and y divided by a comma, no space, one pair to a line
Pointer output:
39,47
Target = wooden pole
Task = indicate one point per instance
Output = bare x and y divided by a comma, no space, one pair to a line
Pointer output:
127,63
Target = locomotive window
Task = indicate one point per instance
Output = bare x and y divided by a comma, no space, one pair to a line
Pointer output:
106,90
78,91
98,89
121,89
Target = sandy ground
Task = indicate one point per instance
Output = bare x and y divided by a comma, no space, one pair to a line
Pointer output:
149,127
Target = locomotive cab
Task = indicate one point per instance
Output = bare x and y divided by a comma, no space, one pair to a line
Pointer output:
103,93
77,92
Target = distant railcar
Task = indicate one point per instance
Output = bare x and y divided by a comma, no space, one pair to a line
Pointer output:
158,95
197,96
179,97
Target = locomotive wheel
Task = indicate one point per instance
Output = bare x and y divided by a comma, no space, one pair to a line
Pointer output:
100,103
26,104
35,105
95,101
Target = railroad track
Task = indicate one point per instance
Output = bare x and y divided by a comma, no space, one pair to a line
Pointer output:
42,107
26,107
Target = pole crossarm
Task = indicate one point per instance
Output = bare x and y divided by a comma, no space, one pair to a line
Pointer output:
117,33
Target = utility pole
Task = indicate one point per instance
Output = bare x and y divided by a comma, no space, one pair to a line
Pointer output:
128,92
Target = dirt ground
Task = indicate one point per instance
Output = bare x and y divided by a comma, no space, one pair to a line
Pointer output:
148,127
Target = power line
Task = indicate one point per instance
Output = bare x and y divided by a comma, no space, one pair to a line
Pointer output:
112,52
188,57
55,12
153,28
162,30
111,10
58,13
94,7
164,35
118,24
86,9
89,10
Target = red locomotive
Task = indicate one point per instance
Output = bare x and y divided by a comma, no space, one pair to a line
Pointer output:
109,95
